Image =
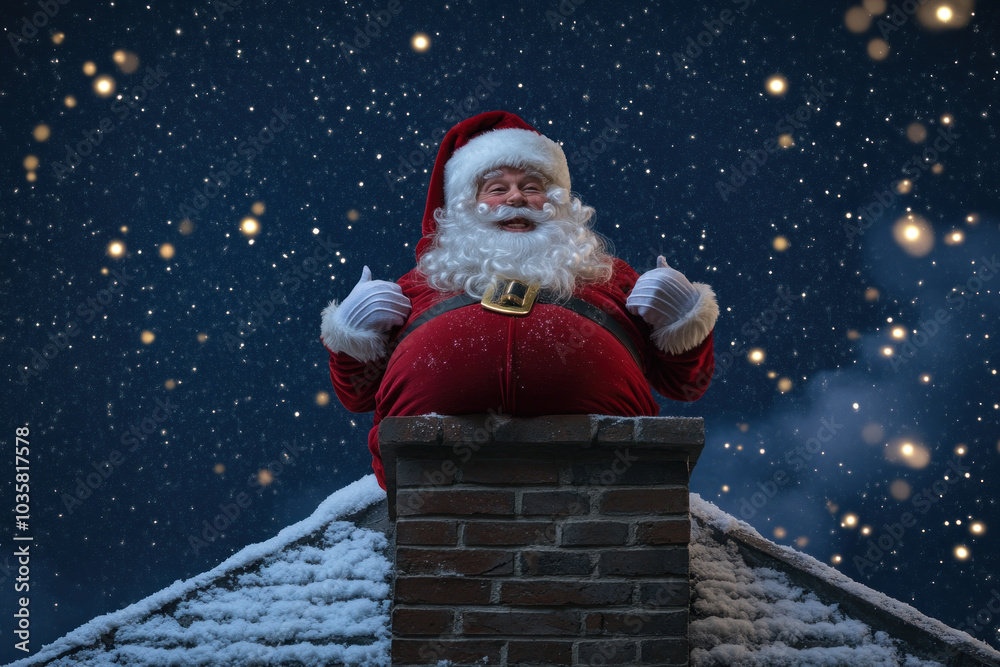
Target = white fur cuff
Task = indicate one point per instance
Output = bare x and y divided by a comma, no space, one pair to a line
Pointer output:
689,331
362,344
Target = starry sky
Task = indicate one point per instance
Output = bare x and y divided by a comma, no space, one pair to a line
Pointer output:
188,184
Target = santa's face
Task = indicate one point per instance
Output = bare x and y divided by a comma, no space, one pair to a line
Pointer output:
510,186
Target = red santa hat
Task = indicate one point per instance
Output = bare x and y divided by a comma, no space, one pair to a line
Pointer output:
480,144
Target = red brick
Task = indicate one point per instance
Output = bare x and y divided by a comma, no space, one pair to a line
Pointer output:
644,501
670,531
432,651
425,472
594,533
554,503
421,429
641,622
615,429
626,466
547,592
607,652
672,651
454,501
414,560
510,471
672,593
407,621
521,623
510,532
549,428
441,590
539,652
555,562
418,531
638,562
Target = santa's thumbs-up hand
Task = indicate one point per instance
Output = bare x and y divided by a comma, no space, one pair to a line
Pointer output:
374,305
662,296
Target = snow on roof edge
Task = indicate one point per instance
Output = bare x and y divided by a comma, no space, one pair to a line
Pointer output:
352,498
729,525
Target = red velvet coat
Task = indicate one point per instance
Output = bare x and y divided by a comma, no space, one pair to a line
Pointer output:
552,361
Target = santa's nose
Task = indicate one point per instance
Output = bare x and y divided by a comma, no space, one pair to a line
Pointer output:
516,198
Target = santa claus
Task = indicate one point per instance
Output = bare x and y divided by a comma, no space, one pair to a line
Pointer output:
515,305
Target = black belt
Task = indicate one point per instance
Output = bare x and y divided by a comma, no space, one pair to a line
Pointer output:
578,306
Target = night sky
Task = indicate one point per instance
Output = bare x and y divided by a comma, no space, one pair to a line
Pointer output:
173,169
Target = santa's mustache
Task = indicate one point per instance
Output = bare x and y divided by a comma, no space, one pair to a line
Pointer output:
504,212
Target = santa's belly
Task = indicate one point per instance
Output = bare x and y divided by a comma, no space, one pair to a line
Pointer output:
552,361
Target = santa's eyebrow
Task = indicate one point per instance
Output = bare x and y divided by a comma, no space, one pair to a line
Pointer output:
491,174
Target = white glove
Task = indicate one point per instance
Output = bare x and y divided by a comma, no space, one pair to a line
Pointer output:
375,305
662,296
357,325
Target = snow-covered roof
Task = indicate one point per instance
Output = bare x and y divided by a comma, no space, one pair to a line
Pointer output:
319,593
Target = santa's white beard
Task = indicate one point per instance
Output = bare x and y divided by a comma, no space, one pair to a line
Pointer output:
470,250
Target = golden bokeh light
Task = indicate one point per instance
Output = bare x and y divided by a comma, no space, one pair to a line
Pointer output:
257,208
849,521
219,468
170,384
925,378
756,356
167,251
31,177
264,477
899,333
937,169
780,533
916,132
946,119
69,101
972,219
420,42
89,68
353,215
58,37
887,351
147,337
104,86
202,337
945,14
857,19
772,374
954,237
872,433
802,542
127,61
186,227
322,398
116,249
908,452
41,132
784,385
853,334
914,235
874,6
725,488
878,49
249,226
900,489
962,552
977,528
30,162
777,85
780,243
871,294
786,141
836,559
904,187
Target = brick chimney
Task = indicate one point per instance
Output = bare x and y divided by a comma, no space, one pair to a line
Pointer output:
556,540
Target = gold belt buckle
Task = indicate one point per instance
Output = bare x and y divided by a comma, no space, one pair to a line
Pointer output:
510,297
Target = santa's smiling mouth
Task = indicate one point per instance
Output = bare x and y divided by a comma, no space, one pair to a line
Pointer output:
517,225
